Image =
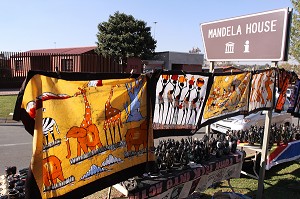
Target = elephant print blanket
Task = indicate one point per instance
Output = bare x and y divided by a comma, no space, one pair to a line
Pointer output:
89,130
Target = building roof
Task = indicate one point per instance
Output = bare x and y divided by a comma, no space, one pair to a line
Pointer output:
176,52
78,50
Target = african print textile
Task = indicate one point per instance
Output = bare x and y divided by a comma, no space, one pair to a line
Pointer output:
262,90
90,131
294,97
179,101
284,78
296,109
228,96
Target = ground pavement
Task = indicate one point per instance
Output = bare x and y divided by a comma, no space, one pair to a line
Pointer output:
13,91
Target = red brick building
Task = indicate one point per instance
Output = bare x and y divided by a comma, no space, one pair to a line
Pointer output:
81,59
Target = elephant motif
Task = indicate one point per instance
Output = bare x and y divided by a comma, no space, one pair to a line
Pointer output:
137,136
87,138
52,170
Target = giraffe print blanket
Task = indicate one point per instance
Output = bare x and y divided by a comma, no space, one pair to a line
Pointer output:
90,131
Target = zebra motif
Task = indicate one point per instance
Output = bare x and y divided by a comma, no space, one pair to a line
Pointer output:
48,126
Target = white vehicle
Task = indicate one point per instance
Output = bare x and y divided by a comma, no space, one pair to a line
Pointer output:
242,122
289,93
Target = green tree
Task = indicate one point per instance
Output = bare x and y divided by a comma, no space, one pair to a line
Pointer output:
295,32
123,36
290,67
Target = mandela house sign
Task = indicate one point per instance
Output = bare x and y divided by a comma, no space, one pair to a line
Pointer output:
256,37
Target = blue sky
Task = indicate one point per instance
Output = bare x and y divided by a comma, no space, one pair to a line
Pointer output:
36,24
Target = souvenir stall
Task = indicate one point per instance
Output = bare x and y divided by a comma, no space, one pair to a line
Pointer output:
173,167
103,126
106,140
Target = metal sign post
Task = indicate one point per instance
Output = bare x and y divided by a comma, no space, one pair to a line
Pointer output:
211,69
255,37
264,150
264,153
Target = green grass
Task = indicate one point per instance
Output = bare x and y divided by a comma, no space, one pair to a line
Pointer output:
7,105
281,181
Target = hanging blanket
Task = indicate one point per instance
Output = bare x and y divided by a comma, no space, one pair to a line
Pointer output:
262,90
294,97
296,112
228,96
179,101
89,130
284,79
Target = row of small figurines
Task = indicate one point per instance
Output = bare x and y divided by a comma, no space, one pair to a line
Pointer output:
278,134
171,154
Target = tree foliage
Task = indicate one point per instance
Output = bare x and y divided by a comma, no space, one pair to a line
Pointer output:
290,67
295,32
123,36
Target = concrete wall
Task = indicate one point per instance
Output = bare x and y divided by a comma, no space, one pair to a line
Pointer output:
186,59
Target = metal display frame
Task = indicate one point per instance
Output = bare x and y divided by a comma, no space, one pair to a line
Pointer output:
264,149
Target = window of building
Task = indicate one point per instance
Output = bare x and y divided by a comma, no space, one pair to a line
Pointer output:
177,66
67,64
19,65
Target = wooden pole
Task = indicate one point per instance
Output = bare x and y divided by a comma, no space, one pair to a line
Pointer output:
211,68
264,151
109,192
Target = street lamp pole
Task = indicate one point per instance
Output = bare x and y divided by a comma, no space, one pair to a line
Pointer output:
155,22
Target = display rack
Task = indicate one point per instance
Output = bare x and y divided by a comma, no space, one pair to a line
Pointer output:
182,182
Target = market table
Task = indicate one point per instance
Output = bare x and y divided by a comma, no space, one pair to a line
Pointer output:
181,183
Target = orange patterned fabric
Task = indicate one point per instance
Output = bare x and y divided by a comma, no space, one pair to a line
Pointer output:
262,90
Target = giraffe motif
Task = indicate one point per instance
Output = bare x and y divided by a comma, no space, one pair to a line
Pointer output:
87,133
87,120
112,118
